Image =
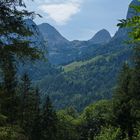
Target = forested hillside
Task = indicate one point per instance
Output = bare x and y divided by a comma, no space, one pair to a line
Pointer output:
84,82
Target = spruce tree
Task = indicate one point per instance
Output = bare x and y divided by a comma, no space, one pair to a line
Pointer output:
13,45
25,91
49,121
10,99
122,103
13,30
27,106
36,130
133,106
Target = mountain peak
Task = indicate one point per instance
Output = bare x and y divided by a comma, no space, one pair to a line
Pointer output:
103,30
101,37
47,27
50,33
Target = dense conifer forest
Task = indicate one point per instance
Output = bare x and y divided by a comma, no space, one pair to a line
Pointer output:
24,115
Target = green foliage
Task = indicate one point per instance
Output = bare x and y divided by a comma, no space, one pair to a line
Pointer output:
78,64
8,91
2,120
48,121
29,109
126,104
12,133
122,106
67,126
109,133
137,134
133,23
99,111
95,117
128,112
13,30
36,127
72,112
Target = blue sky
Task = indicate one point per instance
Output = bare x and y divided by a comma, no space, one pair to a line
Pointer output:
80,19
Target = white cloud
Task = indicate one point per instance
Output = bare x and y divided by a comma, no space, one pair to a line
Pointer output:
61,11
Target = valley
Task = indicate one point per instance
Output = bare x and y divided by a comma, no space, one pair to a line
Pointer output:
84,71
55,89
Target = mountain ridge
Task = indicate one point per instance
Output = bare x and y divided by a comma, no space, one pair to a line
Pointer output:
62,51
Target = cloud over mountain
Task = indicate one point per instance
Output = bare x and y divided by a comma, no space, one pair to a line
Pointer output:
61,11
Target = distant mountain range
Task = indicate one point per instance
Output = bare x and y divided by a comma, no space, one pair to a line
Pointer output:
61,51
87,70
78,72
